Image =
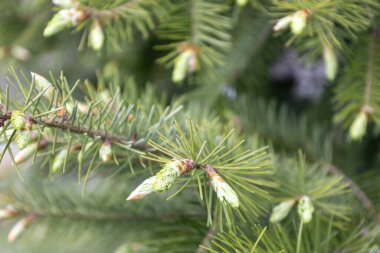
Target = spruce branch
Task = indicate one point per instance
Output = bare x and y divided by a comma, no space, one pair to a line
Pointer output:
328,26
102,204
100,19
282,134
287,238
237,176
360,77
201,39
64,125
99,130
165,178
309,187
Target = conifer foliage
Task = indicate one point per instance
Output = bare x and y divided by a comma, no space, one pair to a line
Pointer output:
176,138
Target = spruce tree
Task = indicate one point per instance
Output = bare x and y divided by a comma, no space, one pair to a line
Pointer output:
190,126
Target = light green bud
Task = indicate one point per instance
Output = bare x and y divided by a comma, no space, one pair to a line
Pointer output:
143,189
331,63
58,161
166,177
281,210
224,191
299,22
26,153
22,139
58,23
96,36
181,66
20,53
305,209
30,150
241,3
105,151
18,120
283,23
63,19
359,126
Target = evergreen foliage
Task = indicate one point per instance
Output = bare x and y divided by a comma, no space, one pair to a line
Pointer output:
175,137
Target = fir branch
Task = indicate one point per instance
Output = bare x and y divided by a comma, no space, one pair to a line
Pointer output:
318,236
331,23
238,176
109,22
288,122
101,216
199,30
357,95
82,130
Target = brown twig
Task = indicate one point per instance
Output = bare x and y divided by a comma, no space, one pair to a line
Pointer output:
370,68
357,191
73,129
206,240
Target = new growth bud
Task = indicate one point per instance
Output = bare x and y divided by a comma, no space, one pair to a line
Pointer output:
223,190
331,64
25,153
8,212
359,125
164,179
63,19
58,161
18,120
281,210
299,22
105,151
167,175
19,227
22,139
20,53
96,36
283,23
29,151
185,63
143,189
305,209
241,3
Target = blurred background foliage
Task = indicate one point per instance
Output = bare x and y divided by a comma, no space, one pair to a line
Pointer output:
271,87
